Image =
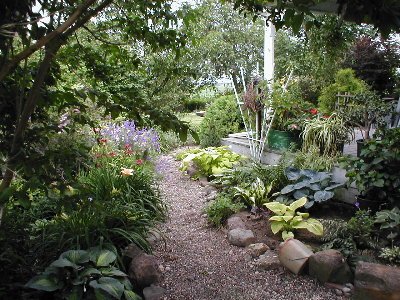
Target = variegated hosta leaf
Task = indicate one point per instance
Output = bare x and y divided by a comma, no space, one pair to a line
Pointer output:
276,226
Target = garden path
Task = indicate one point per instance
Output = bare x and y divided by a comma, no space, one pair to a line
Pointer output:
199,263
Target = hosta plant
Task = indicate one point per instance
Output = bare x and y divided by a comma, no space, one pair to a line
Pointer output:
80,274
316,186
389,221
209,161
286,219
256,195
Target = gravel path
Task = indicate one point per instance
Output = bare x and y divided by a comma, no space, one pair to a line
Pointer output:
198,262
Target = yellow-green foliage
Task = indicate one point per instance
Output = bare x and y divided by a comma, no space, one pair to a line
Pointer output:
286,219
345,81
209,161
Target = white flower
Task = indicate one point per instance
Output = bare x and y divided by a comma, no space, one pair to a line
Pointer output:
126,172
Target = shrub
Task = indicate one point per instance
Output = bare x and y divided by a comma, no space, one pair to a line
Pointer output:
193,104
222,117
219,210
345,81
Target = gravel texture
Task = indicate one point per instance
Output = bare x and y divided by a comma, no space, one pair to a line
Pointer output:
198,262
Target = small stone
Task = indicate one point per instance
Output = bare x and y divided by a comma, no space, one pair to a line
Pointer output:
203,181
167,269
338,292
208,189
256,273
268,261
346,290
247,257
161,267
191,171
204,215
235,222
241,237
255,250
349,285
153,292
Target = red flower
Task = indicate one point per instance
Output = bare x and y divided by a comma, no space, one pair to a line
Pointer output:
102,141
326,116
112,154
313,111
139,161
128,152
127,146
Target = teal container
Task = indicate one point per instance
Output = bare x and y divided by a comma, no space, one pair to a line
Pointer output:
281,140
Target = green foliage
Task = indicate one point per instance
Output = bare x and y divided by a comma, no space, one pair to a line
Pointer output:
286,219
290,108
391,255
193,104
219,210
80,274
222,118
311,159
112,205
375,172
328,134
375,61
256,195
345,81
364,109
389,221
351,236
316,187
209,161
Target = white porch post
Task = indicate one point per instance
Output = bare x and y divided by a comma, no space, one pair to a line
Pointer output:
269,45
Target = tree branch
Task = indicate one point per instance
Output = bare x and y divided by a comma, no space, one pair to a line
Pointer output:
13,63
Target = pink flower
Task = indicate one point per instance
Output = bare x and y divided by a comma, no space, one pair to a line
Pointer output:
139,161
313,111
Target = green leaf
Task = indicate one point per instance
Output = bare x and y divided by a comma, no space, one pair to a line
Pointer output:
323,196
131,295
276,207
287,235
89,271
110,285
112,271
102,257
62,263
75,294
297,20
45,283
298,203
76,256
276,226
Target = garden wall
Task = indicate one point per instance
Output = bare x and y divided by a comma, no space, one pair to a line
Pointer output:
239,144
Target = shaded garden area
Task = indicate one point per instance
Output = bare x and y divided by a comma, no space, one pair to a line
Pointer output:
95,94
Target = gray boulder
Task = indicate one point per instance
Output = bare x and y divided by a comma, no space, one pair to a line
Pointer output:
144,270
241,237
235,222
376,282
329,266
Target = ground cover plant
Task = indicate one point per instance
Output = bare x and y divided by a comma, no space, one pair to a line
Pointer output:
210,161
286,219
318,187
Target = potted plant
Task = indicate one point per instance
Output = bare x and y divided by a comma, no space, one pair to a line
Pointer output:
290,111
376,172
364,110
328,134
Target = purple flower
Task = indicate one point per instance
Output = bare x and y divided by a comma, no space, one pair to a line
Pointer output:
357,204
